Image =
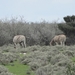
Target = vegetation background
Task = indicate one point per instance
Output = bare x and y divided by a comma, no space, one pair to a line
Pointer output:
40,58
36,33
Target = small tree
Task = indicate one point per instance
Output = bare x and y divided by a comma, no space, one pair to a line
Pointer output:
68,27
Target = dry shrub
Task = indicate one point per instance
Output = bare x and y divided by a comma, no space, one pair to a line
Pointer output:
6,58
49,60
4,71
34,65
58,58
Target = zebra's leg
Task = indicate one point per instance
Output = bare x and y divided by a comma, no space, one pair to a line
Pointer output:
24,44
63,43
14,45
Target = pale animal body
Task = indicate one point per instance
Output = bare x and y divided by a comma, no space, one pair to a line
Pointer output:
19,39
59,40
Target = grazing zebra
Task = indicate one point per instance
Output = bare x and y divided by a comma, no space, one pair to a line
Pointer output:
59,40
19,39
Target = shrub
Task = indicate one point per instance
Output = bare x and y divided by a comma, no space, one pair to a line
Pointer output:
4,71
34,65
6,58
70,69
